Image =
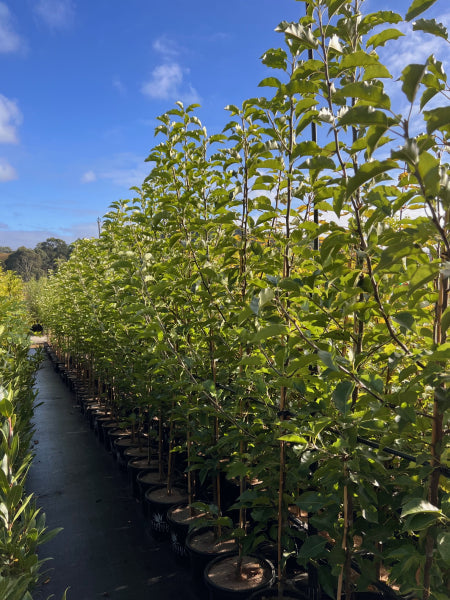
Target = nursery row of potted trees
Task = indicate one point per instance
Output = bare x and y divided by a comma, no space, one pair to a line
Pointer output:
22,525
304,359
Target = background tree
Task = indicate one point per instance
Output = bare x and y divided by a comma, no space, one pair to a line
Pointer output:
33,264
52,251
27,263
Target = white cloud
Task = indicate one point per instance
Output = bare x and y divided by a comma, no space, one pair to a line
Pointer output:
168,80
88,177
10,41
165,46
167,83
117,83
57,14
124,170
10,118
7,172
126,177
164,82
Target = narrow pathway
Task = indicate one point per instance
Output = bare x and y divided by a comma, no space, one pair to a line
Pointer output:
104,550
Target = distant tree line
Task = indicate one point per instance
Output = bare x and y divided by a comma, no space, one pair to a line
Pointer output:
34,263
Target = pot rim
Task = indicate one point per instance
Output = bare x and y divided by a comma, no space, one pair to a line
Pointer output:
239,592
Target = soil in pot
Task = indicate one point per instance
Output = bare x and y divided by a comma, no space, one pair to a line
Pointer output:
147,480
180,518
224,582
134,452
134,468
120,445
158,503
113,435
203,546
96,413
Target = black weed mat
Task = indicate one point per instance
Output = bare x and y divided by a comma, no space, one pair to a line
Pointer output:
105,549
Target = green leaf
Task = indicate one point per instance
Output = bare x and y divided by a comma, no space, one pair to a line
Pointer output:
265,296
369,92
437,118
14,496
379,39
270,82
431,26
412,76
404,319
417,8
310,502
333,242
422,276
293,438
254,305
358,59
327,359
6,408
270,331
312,547
338,200
427,95
299,33
376,72
374,138
381,17
443,546
417,506
342,395
275,58
364,115
368,171
271,163
318,163
429,169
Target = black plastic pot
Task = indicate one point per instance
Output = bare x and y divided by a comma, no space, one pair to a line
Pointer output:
158,503
99,421
113,435
273,593
227,588
134,453
368,595
180,520
200,557
120,445
134,468
106,428
148,480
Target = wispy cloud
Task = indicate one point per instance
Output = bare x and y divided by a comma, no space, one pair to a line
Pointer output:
117,83
10,118
166,47
165,81
168,80
7,172
88,177
10,40
57,14
124,170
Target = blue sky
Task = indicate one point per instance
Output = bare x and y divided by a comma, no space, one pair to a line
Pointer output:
82,82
